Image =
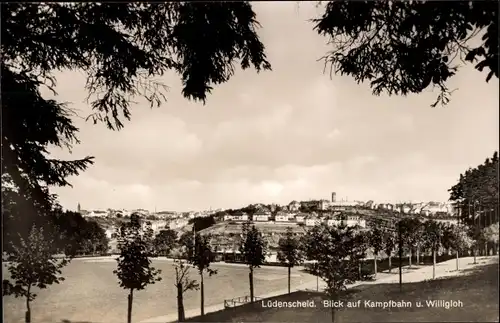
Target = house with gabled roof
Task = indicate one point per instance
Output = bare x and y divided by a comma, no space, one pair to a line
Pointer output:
281,217
261,216
312,220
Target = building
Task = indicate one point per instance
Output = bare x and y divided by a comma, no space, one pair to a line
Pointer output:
436,207
453,221
334,197
261,216
333,221
281,217
312,220
344,204
96,214
324,205
240,217
355,220
301,217
158,225
228,217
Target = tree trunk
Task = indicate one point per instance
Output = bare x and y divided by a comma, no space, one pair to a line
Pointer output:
457,260
129,310
333,314
418,256
250,278
289,274
27,317
390,264
180,304
202,291
317,278
375,266
433,263
474,254
409,259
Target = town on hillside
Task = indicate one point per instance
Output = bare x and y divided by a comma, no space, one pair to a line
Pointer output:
273,220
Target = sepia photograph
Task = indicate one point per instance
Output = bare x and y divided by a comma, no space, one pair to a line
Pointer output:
262,161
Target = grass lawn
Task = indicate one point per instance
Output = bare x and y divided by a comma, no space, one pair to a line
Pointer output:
91,293
478,292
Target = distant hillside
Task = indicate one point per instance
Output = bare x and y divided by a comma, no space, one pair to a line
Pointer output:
230,227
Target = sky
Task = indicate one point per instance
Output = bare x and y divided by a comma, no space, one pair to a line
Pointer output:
293,133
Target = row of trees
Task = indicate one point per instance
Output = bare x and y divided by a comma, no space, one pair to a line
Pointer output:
336,251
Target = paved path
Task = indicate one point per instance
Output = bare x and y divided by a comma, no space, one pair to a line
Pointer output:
410,275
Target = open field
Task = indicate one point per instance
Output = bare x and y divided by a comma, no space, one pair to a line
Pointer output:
91,293
476,288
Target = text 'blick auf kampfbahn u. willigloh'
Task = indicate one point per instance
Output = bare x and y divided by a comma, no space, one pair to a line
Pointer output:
446,304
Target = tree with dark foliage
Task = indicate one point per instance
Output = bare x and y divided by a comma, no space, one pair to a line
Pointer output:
33,264
338,251
254,249
289,252
433,238
376,242
476,194
202,222
134,270
403,47
200,257
120,47
164,242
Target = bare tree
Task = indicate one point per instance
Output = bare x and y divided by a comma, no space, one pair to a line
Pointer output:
183,284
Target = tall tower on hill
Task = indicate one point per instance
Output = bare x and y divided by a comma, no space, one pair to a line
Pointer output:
334,197
78,208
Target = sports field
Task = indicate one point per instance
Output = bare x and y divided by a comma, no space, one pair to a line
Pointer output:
90,293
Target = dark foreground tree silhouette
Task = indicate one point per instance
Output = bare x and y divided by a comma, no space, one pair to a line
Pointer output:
120,47
200,257
134,270
289,252
32,264
403,47
253,249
